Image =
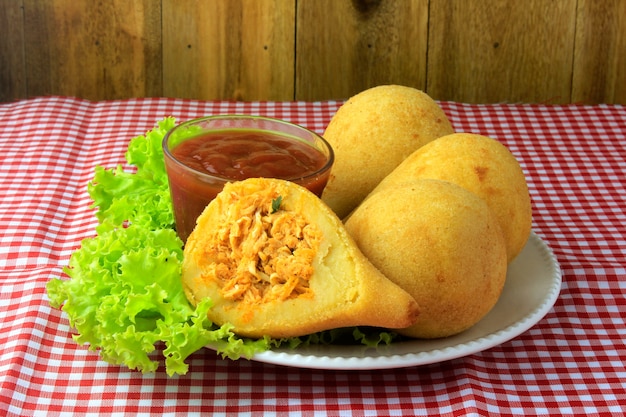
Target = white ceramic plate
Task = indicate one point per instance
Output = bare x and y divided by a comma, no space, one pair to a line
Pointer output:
531,289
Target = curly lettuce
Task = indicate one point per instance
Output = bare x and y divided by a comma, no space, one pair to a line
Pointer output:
124,295
141,197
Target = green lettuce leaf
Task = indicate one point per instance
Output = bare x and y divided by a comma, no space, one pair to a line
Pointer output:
124,295
141,197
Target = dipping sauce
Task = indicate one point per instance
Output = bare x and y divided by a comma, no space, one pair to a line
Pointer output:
201,161
238,155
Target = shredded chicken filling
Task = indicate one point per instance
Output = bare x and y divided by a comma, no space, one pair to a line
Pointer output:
260,254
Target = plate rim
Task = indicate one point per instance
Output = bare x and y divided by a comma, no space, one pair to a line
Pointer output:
550,265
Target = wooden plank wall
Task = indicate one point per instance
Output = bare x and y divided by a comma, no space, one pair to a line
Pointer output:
475,51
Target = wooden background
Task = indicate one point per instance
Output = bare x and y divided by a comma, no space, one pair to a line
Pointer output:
475,51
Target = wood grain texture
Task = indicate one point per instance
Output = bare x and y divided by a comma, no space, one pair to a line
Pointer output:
95,50
344,47
475,51
12,66
600,55
229,49
501,51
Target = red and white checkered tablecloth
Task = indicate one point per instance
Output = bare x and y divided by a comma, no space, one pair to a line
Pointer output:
570,363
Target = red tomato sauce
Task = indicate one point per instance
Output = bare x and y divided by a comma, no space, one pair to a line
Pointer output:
248,154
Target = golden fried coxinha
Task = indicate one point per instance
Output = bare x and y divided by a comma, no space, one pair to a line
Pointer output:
371,133
276,261
481,165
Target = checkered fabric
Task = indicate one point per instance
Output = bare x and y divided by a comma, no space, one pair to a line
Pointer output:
570,363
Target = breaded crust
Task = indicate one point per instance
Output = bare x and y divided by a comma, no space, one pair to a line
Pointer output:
276,261
483,166
371,134
439,242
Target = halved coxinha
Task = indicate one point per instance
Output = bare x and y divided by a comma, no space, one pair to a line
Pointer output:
276,261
